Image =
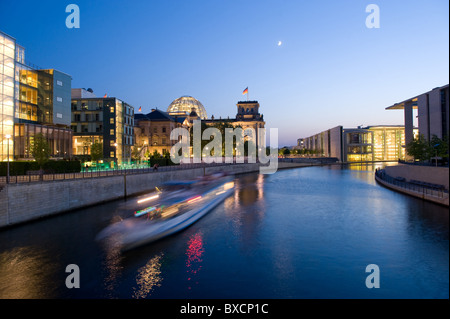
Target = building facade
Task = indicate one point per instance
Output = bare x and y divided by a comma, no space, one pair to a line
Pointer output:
106,120
152,130
362,144
432,113
32,101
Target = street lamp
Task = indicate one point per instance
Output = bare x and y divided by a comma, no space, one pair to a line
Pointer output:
8,137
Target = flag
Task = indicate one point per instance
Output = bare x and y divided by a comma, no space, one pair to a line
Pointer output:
140,108
245,91
106,95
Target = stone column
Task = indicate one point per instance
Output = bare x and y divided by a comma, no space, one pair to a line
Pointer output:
409,134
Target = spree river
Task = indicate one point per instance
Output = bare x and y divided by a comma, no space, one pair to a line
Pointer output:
299,233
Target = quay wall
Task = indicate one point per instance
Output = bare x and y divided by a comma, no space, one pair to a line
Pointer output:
428,174
24,202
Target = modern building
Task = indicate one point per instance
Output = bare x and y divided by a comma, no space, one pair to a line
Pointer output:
32,101
105,120
432,113
152,130
362,144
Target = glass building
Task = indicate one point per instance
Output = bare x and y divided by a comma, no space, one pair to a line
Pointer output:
7,90
187,104
362,144
32,101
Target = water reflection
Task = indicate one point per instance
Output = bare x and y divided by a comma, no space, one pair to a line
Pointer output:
149,277
246,209
113,267
194,255
25,273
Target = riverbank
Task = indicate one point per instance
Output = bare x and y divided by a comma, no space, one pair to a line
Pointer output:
24,202
424,182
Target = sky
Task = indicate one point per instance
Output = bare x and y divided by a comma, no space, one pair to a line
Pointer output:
330,69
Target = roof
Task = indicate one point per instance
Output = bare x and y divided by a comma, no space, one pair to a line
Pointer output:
155,115
413,100
247,102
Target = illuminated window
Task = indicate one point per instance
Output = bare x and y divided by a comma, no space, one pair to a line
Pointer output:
111,131
111,109
111,120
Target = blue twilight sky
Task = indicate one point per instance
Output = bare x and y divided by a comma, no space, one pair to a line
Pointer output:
329,70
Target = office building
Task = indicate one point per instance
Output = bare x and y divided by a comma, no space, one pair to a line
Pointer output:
361,144
432,113
32,101
106,120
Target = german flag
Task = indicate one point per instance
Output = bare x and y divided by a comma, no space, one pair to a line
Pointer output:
245,91
140,108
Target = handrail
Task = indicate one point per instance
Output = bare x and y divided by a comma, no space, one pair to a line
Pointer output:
430,189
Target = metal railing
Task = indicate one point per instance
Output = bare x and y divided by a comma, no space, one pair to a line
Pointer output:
93,173
434,190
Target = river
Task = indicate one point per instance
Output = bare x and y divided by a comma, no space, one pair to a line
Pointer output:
299,233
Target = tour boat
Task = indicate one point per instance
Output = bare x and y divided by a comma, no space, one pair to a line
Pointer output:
175,207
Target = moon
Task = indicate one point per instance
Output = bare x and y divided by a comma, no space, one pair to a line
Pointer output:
279,43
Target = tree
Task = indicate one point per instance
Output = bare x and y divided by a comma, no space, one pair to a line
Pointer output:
40,151
136,153
419,149
96,151
439,147
155,154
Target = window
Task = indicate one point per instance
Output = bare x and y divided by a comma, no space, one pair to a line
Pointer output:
58,82
164,130
111,109
59,99
111,131
111,154
111,120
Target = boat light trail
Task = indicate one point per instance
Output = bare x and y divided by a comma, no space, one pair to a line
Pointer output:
147,199
194,199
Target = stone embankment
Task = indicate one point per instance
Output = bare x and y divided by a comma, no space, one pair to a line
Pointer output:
23,202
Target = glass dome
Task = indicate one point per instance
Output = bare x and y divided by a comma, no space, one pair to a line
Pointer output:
185,104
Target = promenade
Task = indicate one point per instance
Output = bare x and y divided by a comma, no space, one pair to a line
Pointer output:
436,193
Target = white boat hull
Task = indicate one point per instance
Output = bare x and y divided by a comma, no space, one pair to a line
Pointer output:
134,232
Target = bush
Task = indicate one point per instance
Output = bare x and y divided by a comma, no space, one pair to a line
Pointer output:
21,168
160,161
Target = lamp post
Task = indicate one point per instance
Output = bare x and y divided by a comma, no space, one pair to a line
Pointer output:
8,137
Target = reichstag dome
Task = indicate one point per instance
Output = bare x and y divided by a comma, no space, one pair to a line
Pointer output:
185,104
